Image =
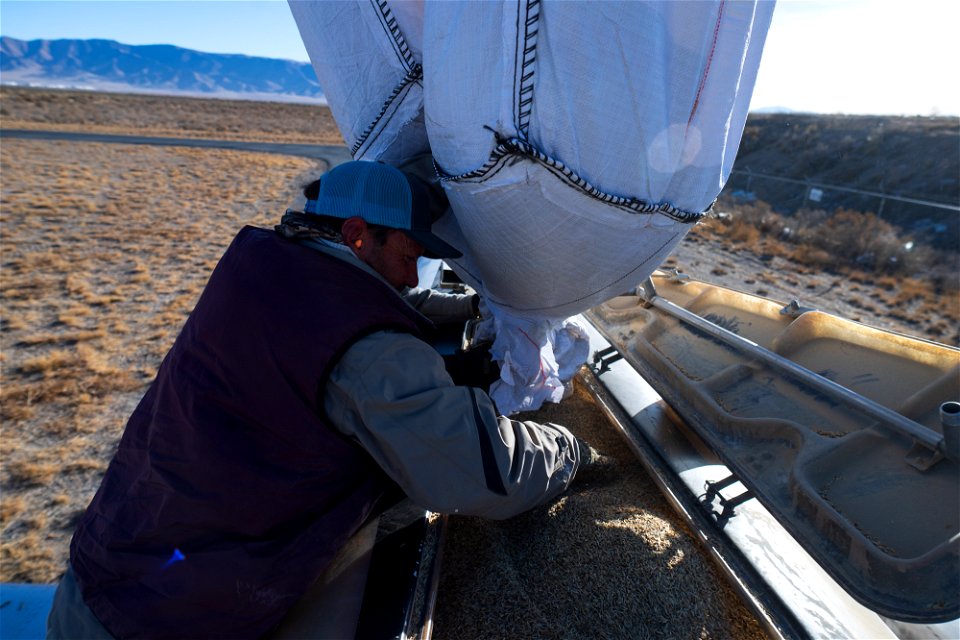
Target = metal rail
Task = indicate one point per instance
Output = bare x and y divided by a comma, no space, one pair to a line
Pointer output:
900,423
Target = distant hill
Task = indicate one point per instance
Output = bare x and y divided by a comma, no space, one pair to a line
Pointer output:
107,65
908,159
914,157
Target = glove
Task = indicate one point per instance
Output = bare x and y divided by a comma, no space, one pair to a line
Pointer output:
473,368
475,304
594,467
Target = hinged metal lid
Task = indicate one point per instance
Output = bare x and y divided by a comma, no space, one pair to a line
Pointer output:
836,427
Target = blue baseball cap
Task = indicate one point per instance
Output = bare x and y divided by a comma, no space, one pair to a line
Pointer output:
382,194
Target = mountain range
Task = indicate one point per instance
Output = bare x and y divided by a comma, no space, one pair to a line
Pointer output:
107,65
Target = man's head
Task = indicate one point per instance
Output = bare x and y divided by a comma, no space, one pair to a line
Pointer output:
387,215
385,196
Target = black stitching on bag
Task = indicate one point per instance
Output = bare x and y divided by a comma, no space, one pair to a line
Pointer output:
522,107
516,147
489,170
412,77
390,25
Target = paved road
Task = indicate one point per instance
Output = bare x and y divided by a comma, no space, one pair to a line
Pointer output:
331,154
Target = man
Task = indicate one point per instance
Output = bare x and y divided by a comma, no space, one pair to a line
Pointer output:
299,394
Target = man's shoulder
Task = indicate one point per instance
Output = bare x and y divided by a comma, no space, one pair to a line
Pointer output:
250,237
380,347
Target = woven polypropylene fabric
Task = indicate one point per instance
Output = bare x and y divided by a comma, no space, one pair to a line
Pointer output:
577,141
640,99
370,73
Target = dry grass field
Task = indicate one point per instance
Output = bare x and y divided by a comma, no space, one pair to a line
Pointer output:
162,116
923,303
105,249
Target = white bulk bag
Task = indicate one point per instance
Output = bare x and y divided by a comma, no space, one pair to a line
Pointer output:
577,142
367,56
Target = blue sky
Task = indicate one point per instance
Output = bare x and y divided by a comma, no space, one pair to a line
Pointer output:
838,56
257,28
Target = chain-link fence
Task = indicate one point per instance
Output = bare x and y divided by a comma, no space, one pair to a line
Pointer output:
934,223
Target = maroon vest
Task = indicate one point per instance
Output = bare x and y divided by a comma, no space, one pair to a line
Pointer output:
230,493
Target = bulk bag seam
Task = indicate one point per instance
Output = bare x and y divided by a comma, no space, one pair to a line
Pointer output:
390,25
523,107
514,147
413,76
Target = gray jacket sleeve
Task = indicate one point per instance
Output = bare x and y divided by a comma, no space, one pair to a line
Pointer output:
443,444
440,306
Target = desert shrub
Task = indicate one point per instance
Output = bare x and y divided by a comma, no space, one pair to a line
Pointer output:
752,212
802,221
810,255
859,238
920,259
746,223
847,240
742,232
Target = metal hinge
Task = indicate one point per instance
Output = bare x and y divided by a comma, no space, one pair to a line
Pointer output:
729,504
921,457
794,310
604,358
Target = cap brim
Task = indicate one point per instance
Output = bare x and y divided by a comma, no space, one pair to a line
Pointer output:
433,247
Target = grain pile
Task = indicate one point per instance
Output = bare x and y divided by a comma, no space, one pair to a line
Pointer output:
608,559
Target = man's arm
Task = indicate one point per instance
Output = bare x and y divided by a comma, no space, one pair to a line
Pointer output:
443,444
442,307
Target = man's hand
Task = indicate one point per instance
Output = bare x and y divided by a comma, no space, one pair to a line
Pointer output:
594,467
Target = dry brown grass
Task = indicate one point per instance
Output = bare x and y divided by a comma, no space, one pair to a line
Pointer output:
31,554
743,233
94,112
104,252
915,292
10,509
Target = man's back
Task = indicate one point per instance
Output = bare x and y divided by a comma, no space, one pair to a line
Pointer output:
229,493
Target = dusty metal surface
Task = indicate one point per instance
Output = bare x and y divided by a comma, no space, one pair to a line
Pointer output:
859,476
